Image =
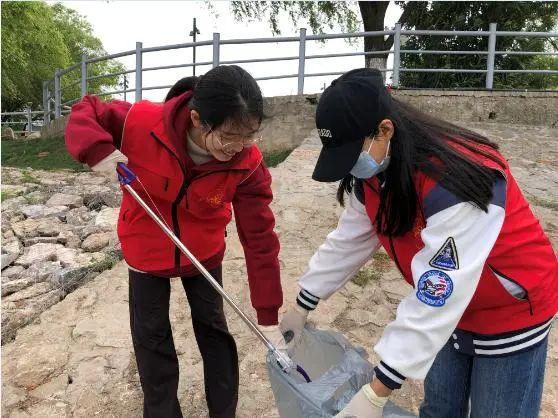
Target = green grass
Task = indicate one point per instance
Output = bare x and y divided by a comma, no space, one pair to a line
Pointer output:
38,154
110,260
273,159
27,177
380,264
5,195
365,276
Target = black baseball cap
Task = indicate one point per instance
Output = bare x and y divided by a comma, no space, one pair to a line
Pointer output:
349,110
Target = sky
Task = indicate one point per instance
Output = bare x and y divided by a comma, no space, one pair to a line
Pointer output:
120,24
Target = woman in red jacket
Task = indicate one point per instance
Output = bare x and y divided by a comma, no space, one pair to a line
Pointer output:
196,158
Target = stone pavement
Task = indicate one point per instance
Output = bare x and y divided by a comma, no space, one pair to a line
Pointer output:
77,359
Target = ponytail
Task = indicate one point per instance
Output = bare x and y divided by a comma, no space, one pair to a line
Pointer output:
182,86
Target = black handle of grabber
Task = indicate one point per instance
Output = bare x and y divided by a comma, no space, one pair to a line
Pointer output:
127,176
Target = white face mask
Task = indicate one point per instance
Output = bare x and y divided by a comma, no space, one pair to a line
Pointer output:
366,167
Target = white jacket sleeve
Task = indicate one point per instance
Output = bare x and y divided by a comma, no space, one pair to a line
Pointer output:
343,253
446,272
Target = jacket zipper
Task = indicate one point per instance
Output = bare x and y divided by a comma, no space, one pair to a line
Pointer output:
517,284
179,197
181,194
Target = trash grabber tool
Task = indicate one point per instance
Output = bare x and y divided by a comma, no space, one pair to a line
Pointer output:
126,177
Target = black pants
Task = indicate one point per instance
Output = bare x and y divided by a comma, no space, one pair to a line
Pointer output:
154,346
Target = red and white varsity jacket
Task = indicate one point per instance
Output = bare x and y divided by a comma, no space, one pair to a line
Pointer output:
485,281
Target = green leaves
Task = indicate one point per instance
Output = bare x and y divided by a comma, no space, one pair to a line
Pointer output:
319,15
37,38
510,16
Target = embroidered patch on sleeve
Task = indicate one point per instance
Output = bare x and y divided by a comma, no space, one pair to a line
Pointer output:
434,288
446,258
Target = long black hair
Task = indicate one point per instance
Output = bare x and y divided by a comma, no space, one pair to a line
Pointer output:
423,143
225,93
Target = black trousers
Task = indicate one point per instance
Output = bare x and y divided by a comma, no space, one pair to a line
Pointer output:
154,346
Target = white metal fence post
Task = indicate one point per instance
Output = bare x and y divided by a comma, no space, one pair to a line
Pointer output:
139,69
396,55
83,75
57,94
216,46
301,60
491,56
46,115
29,119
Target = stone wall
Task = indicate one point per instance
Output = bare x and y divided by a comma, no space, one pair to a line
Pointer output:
524,108
290,119
55,128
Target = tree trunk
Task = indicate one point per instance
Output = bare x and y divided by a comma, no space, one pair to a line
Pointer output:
373,14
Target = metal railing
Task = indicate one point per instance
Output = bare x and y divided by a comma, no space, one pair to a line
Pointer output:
26,119
52,90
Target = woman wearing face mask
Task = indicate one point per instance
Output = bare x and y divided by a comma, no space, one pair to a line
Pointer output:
443,203
197,159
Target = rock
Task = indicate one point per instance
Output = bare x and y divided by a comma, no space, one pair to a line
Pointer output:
12,273
12,395
95,242
396,289
69,239
40,272
37,197
13,203
12,190
70,278
382,315
10,252
92,229
38,289
107,217
79,216
39,252
21,312
70,257
39,211
95,197
36,364
16,285
8,133
60,199
66,256
45,227
90,179
13,246
8,259
55,387
359,316
28,242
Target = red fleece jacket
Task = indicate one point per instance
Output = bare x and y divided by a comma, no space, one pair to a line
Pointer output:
94,131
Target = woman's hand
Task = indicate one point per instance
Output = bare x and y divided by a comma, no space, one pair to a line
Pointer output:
294,321
273,334
365,404
107,166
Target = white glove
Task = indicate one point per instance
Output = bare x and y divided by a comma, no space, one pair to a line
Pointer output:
273,334
294,321
365,404
107,166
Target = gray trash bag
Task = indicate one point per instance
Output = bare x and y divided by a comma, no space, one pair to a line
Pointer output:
337,369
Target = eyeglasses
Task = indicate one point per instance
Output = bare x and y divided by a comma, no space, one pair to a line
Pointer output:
233,146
